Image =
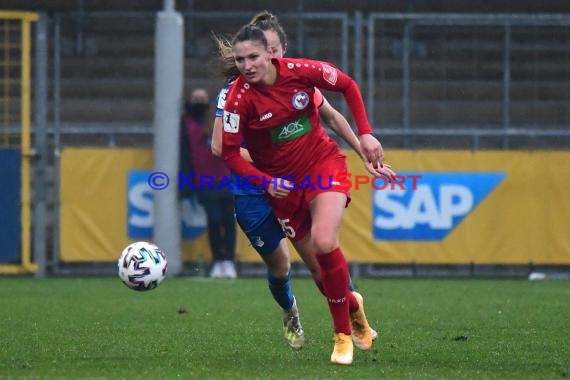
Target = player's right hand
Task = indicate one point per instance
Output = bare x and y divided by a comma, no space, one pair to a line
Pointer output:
280,188
382,170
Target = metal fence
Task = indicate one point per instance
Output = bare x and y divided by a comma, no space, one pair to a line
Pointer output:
103,84
440,80
429,80
15,142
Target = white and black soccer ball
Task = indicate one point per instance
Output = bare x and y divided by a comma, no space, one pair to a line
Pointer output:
142,266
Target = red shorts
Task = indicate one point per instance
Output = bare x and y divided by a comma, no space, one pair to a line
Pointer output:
293,211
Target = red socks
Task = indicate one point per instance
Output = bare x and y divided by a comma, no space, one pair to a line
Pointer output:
352,302
334,280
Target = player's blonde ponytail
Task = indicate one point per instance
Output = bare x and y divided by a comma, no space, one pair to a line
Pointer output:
226,56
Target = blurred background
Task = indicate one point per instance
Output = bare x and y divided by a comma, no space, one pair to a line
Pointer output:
451,87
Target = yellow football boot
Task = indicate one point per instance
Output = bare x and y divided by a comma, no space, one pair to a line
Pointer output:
343,349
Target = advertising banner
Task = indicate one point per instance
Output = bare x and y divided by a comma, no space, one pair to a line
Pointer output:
444,207
10,199
466,207
107,203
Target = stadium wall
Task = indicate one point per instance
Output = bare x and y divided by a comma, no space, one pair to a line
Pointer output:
448,207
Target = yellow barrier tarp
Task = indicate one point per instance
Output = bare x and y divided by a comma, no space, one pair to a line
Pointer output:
524,219
93,211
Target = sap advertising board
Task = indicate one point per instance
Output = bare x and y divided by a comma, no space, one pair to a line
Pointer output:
433,209
140,210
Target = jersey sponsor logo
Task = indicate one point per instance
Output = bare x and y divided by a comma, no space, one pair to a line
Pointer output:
300,100
231,122
330,74
267,116
434,209
291,130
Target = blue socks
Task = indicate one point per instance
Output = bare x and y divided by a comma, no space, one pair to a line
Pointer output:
281,290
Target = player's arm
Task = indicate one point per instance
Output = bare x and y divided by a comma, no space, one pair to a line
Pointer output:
233,125
324,75
216,144
338,123
231,138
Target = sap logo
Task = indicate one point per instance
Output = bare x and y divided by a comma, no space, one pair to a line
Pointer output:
434,209
140,218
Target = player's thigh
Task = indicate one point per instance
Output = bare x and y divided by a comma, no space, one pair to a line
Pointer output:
327,210
293,214
256,219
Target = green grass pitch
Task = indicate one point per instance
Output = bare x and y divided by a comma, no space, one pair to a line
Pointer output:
96,328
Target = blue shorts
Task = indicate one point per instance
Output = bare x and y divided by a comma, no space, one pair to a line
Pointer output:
256,219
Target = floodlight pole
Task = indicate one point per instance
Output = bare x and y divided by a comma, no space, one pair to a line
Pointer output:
168,88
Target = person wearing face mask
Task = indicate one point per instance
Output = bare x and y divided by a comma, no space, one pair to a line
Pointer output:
207,183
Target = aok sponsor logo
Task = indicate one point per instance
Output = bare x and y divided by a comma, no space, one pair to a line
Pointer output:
431,211
291,130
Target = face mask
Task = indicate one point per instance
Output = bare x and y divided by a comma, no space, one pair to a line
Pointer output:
197,110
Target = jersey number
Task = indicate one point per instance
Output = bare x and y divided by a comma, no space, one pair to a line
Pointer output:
289,230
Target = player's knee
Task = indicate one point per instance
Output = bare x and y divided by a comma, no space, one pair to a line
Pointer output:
280,271
324,242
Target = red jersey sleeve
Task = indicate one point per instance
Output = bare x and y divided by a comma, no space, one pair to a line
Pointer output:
325,75
234,120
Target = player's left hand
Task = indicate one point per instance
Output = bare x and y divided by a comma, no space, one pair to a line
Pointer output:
372,150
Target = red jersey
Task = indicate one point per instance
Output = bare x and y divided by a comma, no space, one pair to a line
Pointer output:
280,123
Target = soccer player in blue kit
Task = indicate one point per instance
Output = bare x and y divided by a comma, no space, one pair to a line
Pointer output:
254,213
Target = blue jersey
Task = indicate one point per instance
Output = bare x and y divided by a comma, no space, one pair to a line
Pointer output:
238,188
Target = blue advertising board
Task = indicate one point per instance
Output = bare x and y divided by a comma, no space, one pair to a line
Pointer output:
10,200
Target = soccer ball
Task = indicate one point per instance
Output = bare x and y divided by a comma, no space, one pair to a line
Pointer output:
142,266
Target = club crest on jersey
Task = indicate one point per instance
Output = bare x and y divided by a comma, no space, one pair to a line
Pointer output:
231,122
330,74
300,100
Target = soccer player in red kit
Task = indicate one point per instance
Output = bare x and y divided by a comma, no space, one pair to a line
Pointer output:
271,108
